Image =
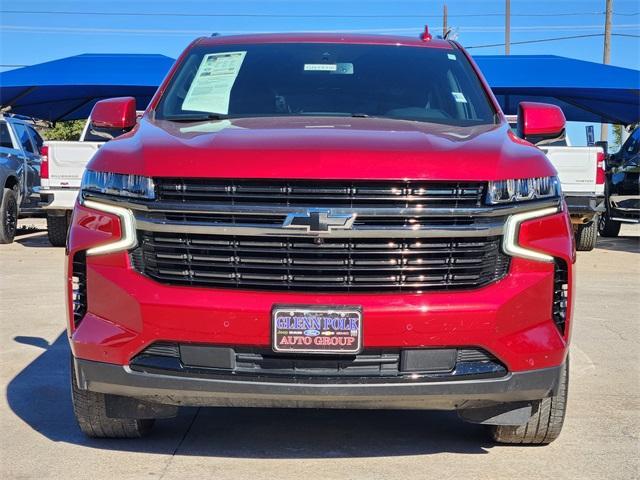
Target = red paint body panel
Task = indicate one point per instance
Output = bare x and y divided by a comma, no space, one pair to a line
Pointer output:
513,312
540,120
322,148
554,235
114,113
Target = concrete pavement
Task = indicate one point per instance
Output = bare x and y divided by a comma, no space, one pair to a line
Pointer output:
39,439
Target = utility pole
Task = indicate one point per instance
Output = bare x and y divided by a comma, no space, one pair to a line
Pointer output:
444,21
507,28
604,128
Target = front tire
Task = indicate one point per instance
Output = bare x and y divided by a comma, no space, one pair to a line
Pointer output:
608,227
57,227
586,236
545,423
8,215
90,411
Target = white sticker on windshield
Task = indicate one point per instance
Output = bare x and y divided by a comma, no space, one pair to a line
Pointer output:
451,56
210,89
320,67
459,97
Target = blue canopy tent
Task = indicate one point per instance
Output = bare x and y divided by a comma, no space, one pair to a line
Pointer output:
586,91
67,89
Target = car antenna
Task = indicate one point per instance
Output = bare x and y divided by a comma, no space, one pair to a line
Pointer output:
425,36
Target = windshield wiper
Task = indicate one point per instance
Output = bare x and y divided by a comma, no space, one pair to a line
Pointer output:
196,118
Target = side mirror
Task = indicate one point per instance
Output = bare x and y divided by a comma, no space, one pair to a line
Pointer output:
604,145
114,113
539,122
614,160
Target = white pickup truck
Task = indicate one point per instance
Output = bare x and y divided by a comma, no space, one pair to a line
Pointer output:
62,167
582,174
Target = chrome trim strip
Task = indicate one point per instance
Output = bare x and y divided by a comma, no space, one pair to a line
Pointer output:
621,198
177,207
626,220
474,230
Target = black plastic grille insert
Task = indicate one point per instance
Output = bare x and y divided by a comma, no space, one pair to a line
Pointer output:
319,264
325,194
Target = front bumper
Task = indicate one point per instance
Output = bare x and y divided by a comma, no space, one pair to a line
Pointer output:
202,391
58,199
584,205
513,319
625,208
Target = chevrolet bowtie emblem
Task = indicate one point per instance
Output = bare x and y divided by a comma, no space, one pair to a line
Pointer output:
319,221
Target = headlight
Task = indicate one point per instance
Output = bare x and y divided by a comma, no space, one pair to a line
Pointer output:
122,185
522,189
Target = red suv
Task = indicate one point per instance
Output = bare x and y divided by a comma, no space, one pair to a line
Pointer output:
333,221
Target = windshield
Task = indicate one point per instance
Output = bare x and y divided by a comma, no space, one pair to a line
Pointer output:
400,82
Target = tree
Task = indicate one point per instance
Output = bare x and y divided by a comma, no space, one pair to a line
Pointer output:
617,136
70,130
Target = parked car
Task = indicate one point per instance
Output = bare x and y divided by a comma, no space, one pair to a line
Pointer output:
317,220
63,165
623,187
582,175
20,146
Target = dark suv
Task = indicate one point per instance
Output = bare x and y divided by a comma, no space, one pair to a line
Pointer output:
20,161
622,188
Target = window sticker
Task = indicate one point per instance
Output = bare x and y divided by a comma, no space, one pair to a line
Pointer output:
451,56
459,97
320,67
332,68
210,90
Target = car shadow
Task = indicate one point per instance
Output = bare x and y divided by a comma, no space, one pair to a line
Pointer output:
40,396
33,239
619,244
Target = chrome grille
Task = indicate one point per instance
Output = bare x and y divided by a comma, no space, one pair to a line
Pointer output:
277,219
326,194
320,264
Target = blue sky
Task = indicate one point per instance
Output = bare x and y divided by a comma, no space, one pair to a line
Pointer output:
27,37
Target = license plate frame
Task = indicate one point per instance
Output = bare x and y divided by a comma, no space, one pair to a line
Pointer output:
336,316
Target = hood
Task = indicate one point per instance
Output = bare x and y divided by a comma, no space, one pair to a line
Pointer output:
322,148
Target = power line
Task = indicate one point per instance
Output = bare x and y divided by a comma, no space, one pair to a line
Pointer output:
540,40
277,15
199,32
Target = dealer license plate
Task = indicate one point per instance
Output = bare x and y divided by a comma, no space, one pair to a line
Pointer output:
331,330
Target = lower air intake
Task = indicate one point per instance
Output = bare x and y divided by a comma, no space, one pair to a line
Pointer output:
79,287
560,294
